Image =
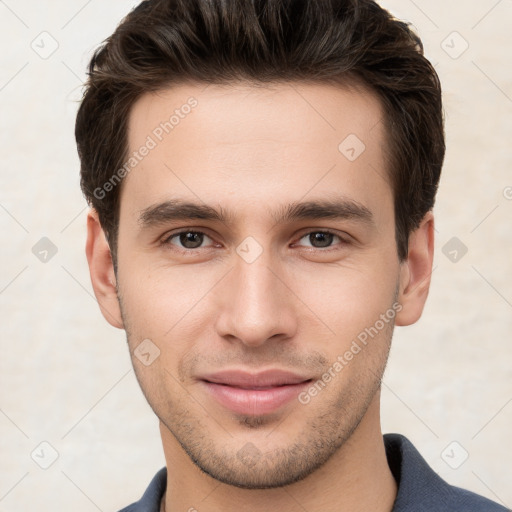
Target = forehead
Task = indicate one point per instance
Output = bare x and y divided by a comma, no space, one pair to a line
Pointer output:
242,141
256,110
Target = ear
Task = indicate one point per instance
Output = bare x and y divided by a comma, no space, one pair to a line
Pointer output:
101,270
415,272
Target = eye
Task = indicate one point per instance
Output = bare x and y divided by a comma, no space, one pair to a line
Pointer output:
322,239
188,239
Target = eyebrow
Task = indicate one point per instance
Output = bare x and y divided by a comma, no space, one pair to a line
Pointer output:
179,209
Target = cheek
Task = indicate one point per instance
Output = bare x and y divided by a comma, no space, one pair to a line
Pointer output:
162,303
347,299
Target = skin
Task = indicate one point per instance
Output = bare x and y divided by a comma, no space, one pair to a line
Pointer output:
298,306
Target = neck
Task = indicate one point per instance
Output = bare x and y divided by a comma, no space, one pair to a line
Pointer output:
356,478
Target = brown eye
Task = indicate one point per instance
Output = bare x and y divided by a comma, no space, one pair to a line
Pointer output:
321,239
187,239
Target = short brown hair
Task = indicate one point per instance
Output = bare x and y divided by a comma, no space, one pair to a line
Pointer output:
166,42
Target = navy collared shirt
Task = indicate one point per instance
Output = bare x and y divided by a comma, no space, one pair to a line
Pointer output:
420,489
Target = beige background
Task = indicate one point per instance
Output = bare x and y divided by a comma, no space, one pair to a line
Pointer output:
65,374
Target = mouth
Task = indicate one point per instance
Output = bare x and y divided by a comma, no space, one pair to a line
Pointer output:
258,387
254,398
269,378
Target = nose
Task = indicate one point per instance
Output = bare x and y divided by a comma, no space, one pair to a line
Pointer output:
257,303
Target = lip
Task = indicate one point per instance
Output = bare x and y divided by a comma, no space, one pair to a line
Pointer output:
254,394
266,378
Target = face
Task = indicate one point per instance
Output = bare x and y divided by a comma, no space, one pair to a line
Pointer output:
287,262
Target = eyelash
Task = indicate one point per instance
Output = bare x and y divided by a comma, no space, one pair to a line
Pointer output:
166,242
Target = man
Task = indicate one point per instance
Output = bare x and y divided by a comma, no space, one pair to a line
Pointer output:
262,176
